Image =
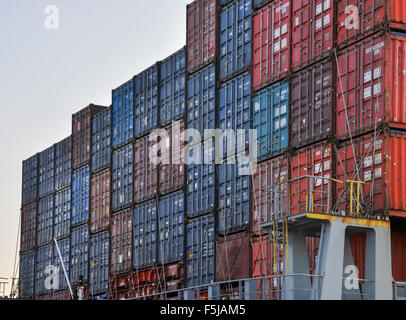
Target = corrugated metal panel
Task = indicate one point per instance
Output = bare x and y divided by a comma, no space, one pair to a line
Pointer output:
46,172
63,295
44,258
235,38
171,212
263,257
271,119
123,114
80,196
122,178
358,243
27,274
63,163
99,263
232,257
399,256
145,172
201,100
30,179
312,245
268,177
201,33
271,57
28,226
311,104
146,101
79,254
374,85
45,220
100,201
312,31
101,140
63,210
200,251
172,86
64,247
121,242
145,240
259,3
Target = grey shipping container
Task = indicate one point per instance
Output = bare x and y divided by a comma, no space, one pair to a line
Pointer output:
80,196
79,254
101,140
62,213
27,275
63,163
122,178
145,235
46,172
99,263
45,220
30,179
43,276
64,247
200,251
171,224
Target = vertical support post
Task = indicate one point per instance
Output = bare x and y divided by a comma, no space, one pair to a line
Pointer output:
214,292
250,290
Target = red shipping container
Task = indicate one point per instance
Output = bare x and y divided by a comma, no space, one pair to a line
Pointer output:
312,244
100,201
172,176
62,295
121,242
232,257
310,194
174,271
269,192
145,172
373,80
28,226
82,135
271,27
399,256
312,31
372,15
201,33
358,243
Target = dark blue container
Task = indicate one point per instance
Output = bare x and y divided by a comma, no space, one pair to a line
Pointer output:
235,38
63,213
201,100
30,179
145,235
171,226
45,220
234,199
44,259
122,178
79,254
80,196
101,140
64,247
46,172
271,119
146,101
27,274
172,88
200,251
101,297
256,4
63,163
123,114
99,263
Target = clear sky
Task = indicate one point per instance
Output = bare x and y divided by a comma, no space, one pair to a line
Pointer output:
47,75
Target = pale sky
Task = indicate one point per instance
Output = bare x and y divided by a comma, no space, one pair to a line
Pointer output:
46,75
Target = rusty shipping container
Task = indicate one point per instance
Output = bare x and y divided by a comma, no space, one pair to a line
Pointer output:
62,295
28,226
121,242
100,201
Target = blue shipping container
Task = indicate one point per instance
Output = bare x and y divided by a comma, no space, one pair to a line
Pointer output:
27,275
45,220
145,235
259,3
101,140
122,178
43,260
62,213
201,100
63,163
99,263
271,119
200,251
235,38
30,179
80,196
123,114
64,247
146,101
79,254
46,172
172,88
171,228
